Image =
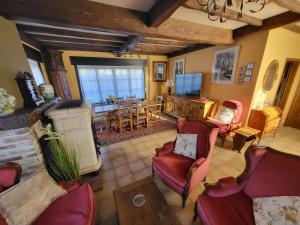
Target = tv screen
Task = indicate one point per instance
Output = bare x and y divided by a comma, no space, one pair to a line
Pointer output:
188,84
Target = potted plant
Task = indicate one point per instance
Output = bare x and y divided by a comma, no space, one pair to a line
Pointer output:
61,160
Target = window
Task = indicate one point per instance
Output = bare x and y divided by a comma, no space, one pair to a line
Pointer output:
36,72
97,83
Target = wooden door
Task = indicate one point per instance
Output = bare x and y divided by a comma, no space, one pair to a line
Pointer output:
293,119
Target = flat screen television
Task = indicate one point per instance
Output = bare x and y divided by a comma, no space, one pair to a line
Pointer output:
188,84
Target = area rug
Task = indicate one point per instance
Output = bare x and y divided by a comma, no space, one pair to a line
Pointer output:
107,138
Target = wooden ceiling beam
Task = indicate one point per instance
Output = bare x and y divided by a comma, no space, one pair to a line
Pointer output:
161,11
292,5
229,13
75,40
71,46
100,17
33,30
189,49
271,23
29,40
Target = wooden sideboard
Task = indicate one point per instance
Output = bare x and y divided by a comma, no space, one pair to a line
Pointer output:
187,107
266,120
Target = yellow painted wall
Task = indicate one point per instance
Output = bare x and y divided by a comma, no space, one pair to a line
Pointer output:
251,51
281,45
155,87
12,59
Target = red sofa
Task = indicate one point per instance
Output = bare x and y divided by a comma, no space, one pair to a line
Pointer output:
76,207
181,173
268,173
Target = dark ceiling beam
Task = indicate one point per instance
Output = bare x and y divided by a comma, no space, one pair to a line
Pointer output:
268,24
75,47
42,38
54,32
189,49
29,40
161,11
82,14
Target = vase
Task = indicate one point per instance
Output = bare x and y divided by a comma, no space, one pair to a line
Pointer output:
47,91
7,103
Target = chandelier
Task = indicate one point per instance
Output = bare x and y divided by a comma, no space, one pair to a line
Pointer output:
216,9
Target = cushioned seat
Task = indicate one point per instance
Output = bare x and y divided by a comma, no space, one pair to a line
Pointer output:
75,208
238,206
174,166
223,128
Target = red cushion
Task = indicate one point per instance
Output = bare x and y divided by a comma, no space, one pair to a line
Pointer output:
173,168
235,209
7,176
223,128
76,208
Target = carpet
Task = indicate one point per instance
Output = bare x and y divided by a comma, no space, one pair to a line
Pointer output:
107,138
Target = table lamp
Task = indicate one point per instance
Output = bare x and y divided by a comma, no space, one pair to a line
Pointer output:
169,84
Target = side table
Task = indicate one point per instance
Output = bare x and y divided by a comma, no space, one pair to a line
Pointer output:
243,135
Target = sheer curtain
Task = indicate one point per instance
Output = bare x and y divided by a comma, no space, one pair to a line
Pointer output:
36,72
97,83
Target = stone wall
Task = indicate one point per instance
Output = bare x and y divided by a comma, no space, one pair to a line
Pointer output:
21,146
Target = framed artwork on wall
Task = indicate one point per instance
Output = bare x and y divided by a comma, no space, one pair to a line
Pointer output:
249,72
159,71
224,65
241,75
179,66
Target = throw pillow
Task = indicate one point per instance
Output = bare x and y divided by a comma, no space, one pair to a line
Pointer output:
225,115
186,145
277,210
23,203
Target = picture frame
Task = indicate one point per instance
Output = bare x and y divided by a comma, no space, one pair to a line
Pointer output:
224,65
241,75
179,66
249,72
160,71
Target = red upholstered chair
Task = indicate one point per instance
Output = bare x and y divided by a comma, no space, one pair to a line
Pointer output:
268,173
226,128
181,173
10,174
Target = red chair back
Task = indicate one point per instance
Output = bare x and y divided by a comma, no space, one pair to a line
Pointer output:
272,173
206,135
233,104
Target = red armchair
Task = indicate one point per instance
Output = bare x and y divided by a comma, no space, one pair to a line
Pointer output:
76,207
268,173
226,128
181,173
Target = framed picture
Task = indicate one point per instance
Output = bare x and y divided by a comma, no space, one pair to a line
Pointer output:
224,65
248,73
241,75
179,66
159,71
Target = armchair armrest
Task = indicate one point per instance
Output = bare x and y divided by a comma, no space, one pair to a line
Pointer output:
165,149
10,174
224,187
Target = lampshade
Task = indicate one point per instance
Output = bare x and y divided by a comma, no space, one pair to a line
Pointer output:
169,83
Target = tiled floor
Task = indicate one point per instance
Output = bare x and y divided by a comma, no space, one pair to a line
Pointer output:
128,161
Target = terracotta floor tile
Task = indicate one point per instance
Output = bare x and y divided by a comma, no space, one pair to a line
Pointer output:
107,209
141,174
136,165
118,161
125,180
133,157
107,175
122,170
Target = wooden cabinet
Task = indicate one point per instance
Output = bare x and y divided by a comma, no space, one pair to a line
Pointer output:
266,120
187,107
57,73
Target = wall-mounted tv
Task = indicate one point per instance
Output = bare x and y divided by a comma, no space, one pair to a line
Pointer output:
188,84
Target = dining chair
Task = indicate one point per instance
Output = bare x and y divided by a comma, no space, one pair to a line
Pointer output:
154,113
102,122
124,116
141,115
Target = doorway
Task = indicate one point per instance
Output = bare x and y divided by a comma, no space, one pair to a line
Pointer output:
293,117
287,79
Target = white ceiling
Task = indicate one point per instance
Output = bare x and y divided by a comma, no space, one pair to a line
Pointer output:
196,16
139,5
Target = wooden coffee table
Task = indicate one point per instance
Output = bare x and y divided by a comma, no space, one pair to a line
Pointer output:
155,211
243,135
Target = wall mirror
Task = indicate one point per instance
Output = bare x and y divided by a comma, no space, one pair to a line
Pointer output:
270,76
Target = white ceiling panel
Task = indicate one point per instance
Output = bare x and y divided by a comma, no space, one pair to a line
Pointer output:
199,17
139,5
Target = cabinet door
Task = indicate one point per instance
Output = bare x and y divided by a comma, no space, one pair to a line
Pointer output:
196,111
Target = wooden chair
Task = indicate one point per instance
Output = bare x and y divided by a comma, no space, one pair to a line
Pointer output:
141,115
154,112
124,116
159,99
102,122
